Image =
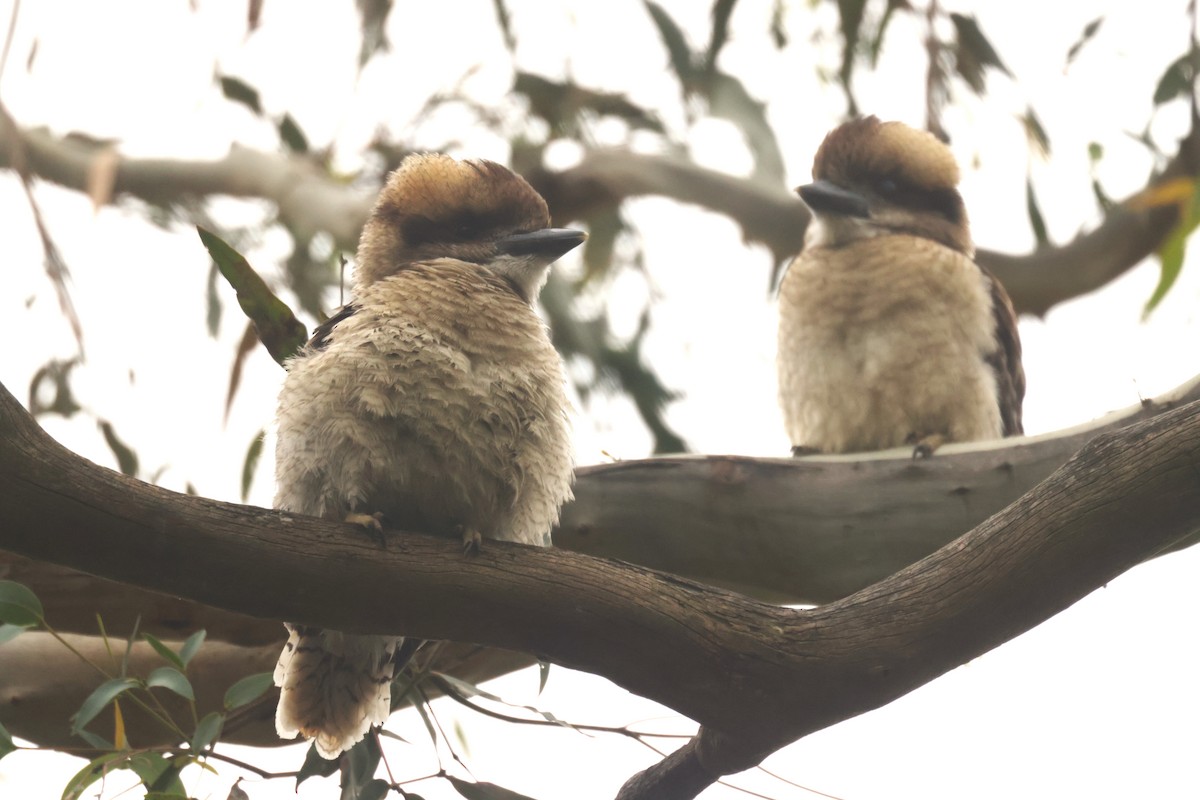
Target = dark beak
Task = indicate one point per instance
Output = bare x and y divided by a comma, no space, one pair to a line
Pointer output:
548,244
826,197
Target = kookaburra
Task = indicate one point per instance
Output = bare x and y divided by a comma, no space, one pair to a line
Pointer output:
434,398
889,333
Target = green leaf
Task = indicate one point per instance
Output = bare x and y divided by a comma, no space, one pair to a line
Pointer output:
721,11
1036,220
452,685
1176,81
505,22
239,91
19,605
1170,255
9,632
1089,31
973,53
484,791
1035,134
96,742
251,463
281,333
543,675
127,460
173,680
191,647
1095,152
316,766
374,15
207,731
92,771
99,699
160,774
167,653
212,300
778,31
6,743
676,44
248,689
291,135
362,760
375,789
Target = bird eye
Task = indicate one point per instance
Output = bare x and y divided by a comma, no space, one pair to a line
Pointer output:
887,186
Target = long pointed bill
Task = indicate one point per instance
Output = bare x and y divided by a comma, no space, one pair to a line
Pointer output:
826,197
546,245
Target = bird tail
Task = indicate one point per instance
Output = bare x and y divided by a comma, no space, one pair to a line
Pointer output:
333,686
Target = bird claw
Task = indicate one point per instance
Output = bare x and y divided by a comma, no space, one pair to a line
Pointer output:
925,446
799,450
372,522
472,541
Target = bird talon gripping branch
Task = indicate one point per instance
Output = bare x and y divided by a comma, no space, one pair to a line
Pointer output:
886,324
435,396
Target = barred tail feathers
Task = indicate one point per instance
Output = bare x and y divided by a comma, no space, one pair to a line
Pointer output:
334,686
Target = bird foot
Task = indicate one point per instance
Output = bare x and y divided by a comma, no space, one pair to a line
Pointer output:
472,540
372,522
799,450
924,446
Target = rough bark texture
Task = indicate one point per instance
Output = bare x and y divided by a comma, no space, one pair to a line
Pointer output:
756,676
310,201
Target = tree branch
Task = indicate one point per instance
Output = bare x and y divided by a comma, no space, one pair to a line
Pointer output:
310,201
755,676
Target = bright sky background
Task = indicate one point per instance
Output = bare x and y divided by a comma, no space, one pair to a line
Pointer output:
1100,701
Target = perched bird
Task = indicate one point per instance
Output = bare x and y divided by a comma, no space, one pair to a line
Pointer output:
434,399
889,332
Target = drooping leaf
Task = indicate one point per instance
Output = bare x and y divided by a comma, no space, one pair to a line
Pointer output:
362,760
850,18
244,349
543,675
316,766
253,15
191,647
159,774
1177,80
452,685
247,690
778,31
238,91
92,772
207,731
973,53
55,373
236,792
99,699
127,460
1089,31
1036,220
172,680
505,23
1035,134
119,740
678,51
889,12
374,16
167,653
19,605
484,791
1173,250
291,135
278,329
721,11
375,789
212,301
251,463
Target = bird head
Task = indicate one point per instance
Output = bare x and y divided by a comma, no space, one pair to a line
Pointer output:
434,206
873,178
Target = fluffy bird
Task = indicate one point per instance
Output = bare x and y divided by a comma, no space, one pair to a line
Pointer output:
434,400
889,332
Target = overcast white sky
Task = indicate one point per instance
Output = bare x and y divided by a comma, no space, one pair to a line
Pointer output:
1100,701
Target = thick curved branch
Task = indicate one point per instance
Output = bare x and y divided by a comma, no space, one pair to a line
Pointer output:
310,201
756,676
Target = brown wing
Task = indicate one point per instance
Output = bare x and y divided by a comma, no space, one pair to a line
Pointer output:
1006,360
